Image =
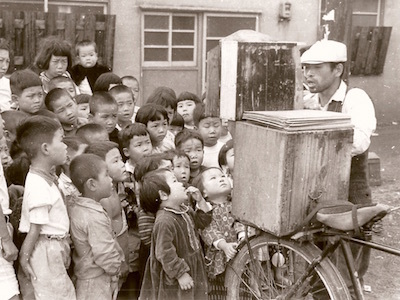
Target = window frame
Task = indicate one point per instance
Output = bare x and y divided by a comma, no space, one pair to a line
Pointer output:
170,47
378,13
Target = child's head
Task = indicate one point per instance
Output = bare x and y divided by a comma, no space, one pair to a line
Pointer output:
208,125
226,156
181,166
104,110
27,91
90,176
177,124
135,141
86,53
75,146
155,117
83,105
126,103
4,56
165,97
110,153
63,82
63,105
213,184
132,83
42,137
191,143
12,118
153,162
5,157
160,189
54,56
186,104
92,132
106,81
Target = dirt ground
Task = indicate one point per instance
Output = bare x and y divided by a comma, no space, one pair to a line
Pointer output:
384,271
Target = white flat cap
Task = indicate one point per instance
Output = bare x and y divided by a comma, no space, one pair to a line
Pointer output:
325,51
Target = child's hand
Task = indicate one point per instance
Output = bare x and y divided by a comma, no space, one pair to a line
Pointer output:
26,267
195,193
186,282
228,248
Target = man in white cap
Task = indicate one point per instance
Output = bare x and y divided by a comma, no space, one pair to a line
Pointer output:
323,66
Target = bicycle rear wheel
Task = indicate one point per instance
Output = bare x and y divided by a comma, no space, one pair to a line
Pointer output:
275,271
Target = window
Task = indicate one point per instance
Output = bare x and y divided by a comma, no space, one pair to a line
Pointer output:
169,39
366,12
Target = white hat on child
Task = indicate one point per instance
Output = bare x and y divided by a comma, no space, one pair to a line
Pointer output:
325,51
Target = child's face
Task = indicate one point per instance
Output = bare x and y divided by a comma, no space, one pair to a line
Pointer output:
68,86
57,66
4,61
175,129
6,159
185,108
181,166
83,110
104,183
139,146
178,192
126,106
87,56
194,149
65,109
31,99
106,115
134,86
215,184
230,159
115,166
157,130
210,130
57,150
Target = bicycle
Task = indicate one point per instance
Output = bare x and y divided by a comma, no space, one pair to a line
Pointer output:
309,272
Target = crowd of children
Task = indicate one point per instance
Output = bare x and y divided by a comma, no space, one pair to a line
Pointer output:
109,200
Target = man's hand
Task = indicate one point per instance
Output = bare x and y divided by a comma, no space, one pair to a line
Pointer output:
9,251
186,282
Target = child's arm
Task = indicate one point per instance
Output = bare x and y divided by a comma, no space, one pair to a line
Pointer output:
7,247
203,215
27,248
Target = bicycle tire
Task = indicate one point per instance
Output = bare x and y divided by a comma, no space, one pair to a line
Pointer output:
241,272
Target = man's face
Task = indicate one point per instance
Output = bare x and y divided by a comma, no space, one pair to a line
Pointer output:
4,62
320,77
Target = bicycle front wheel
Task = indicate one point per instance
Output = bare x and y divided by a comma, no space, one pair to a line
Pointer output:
278,270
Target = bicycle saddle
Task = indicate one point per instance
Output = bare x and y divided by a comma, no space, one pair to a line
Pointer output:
347,218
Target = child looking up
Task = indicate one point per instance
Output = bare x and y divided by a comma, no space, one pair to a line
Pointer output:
54,59
60,102
226,159
175,269
45,253
209,127
87,70
191,143
187,102
26,91
97,256
63,82
155,117
92,132
104,111
126,104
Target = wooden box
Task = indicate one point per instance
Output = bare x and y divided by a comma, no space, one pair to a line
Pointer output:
280,175
250,71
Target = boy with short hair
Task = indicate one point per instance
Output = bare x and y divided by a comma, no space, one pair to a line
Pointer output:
186,104
97,256
45,252
27,91
104,111
63,82
60,102
83,106
12,118
209,127
126,104
87,70
92,132
109,152
5,91
155,117
132,83
191,143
